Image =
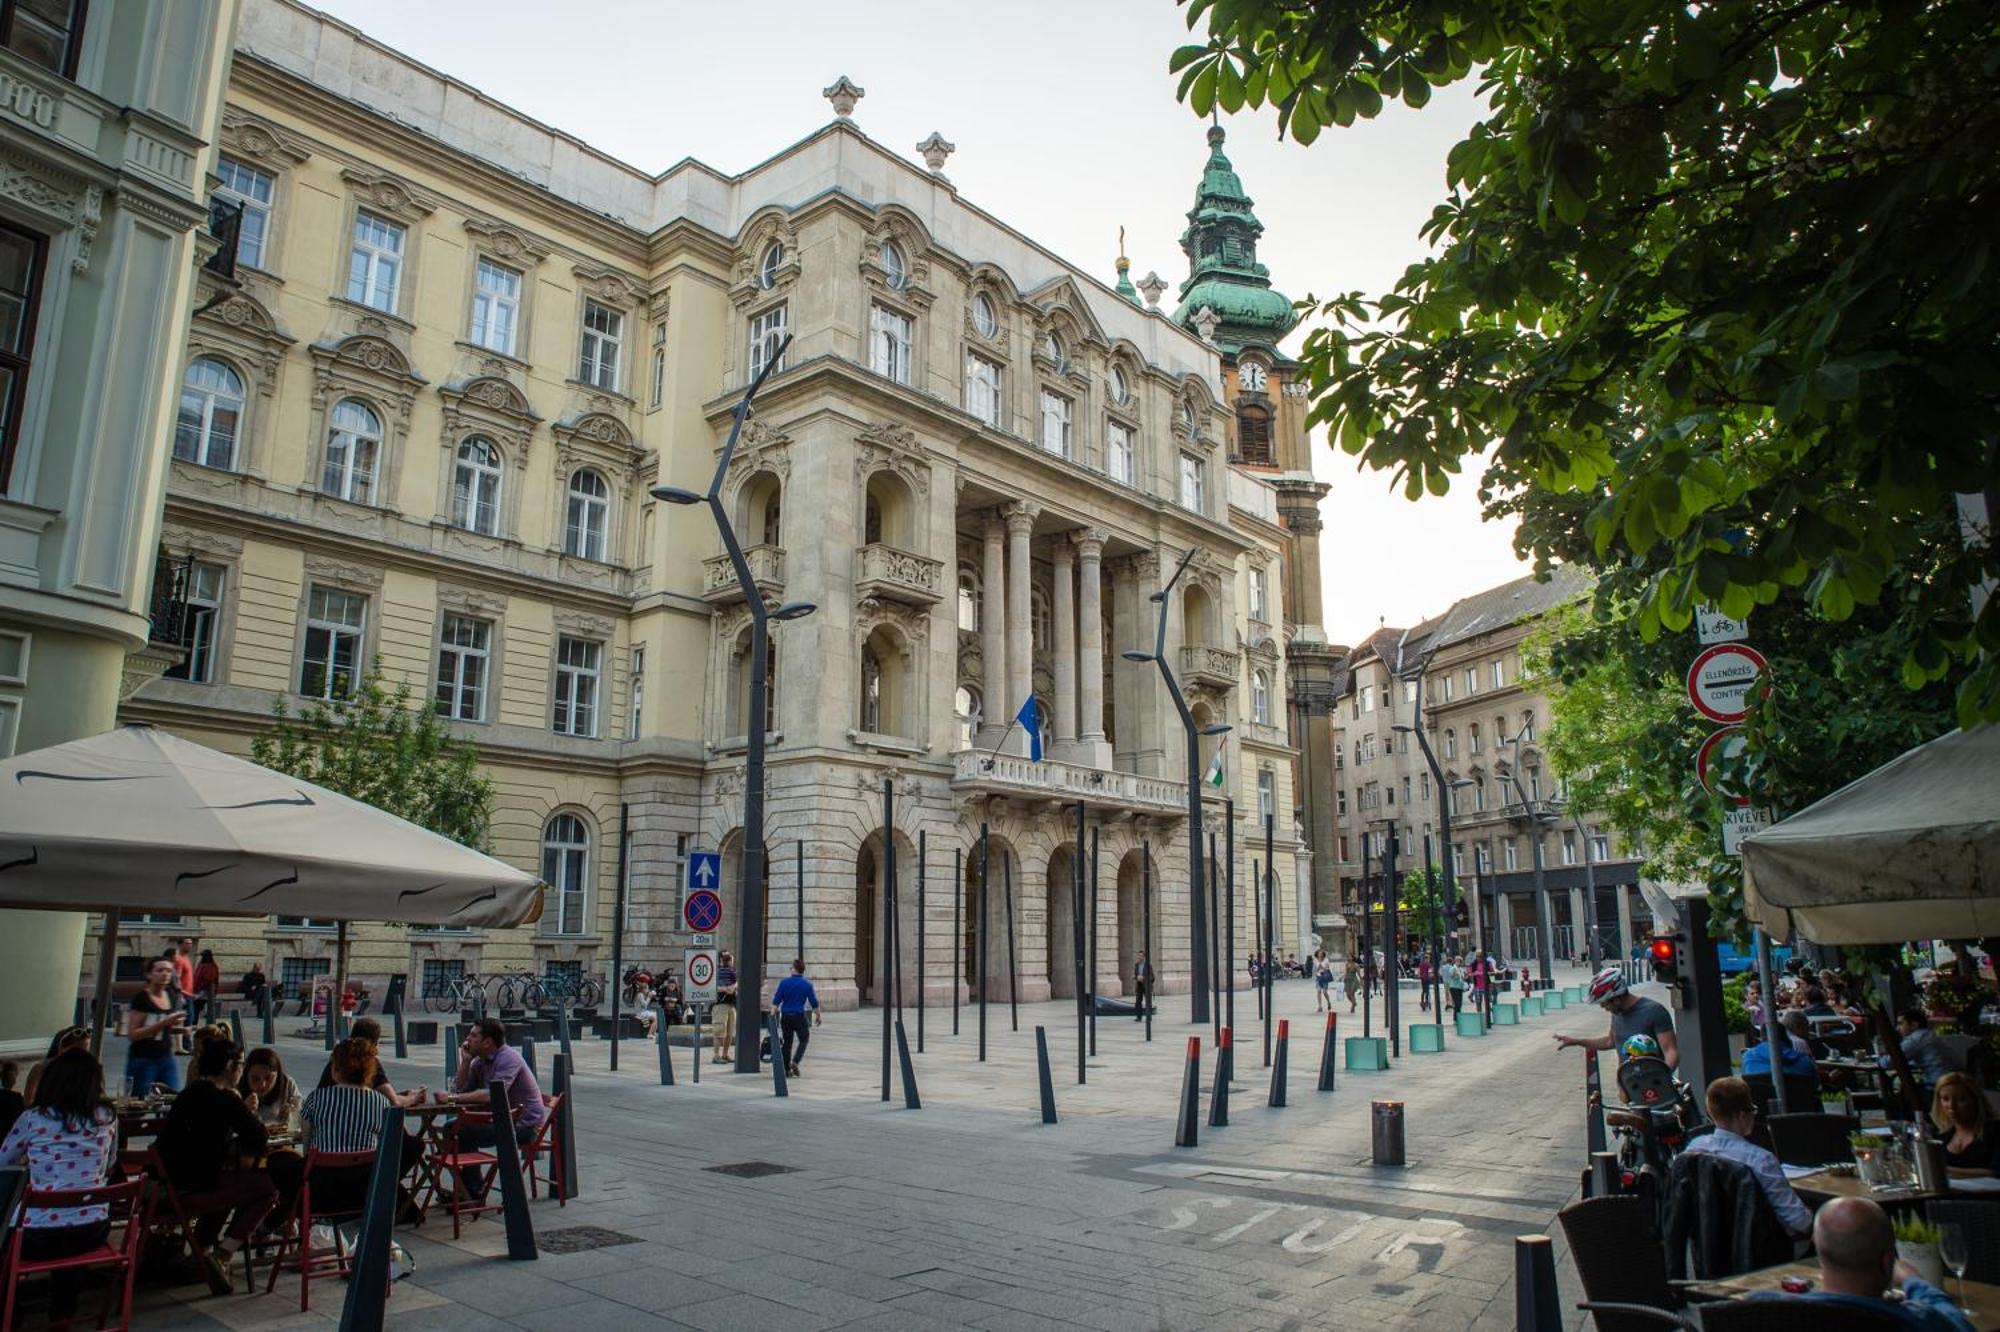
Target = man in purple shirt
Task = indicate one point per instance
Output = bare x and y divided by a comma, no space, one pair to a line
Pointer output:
487,1058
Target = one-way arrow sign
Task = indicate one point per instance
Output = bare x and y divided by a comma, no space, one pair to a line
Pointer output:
704,869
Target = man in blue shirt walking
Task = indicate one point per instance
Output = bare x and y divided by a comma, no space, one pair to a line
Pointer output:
792,998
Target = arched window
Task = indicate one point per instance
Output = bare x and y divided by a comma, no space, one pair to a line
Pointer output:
1450,743
968,600
871,689
894,270
1528,727
588,528
1121,388
1052,347
885,692
1253,436
475,487
1479,792
887,511
1260,697
1188,415
966,707
566,871
984,323
1043,631
759,512
767,268
211,414
353,448
1472,738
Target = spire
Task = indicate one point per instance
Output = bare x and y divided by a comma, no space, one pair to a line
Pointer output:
1223,273
1125,287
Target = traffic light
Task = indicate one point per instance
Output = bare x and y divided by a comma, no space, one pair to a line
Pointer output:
1666,959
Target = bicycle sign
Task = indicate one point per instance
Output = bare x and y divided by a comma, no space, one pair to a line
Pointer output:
702,911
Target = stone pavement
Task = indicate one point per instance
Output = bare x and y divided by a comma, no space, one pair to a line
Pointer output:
972,1213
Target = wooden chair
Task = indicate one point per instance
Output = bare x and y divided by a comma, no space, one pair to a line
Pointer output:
125,1203
167,1199
1619,1260
452,1155
298,1249
548,1142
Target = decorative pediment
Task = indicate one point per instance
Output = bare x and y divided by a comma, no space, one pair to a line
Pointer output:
259,141
600,428
198,541
601,439
389,194
369,354
760,448
583,625
911,622
1063,305
492,393
344,573
471,600
608,286
772,227
246,314
896,447
507,244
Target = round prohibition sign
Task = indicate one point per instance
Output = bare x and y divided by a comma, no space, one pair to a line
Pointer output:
701,971
703,911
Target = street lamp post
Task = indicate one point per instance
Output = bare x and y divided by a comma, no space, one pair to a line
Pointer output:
1197,903
750,908
1544,927
1444,790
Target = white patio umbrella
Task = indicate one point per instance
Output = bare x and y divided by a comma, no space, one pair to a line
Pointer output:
138,819
1910,851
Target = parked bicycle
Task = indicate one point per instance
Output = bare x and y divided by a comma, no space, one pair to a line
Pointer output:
455,994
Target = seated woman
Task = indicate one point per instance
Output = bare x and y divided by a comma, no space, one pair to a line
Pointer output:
345,1115
1971,1137
267,1089
69,1038
369,1031
68,1140
208,1133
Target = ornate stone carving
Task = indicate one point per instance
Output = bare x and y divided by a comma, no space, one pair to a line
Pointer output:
1020,518
471,600
245,135
200,541
508,244
843,92
1089,541
56,195
1152,287
582,624
608,286
389,194
935,150
886,573
327,569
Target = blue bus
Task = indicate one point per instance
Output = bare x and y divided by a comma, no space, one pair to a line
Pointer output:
1734,961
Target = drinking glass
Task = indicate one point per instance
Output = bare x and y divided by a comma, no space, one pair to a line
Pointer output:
1956,1253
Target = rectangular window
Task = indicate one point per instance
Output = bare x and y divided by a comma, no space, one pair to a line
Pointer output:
982,389
1267,796
1509,854
1118,455
767,331
1055,435
1340,806
1471,681
1194,484
1499,675
496,307
200,624
43,32
1406,790
1600,847
890,335
1260,608
1446,678
335,624
295,974
465,651
252,190
1343,849
659,390
1368,698
603,345
577,671
1569,848
1457,859
1424,786
635,709
440,977
20,295
1409,691
375,263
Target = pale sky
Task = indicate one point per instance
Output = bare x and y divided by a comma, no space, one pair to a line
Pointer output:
1066,127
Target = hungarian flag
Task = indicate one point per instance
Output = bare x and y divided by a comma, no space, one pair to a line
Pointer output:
1215,769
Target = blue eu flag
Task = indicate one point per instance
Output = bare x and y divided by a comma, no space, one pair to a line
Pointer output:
1031,722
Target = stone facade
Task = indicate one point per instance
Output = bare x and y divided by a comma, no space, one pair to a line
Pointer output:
977,463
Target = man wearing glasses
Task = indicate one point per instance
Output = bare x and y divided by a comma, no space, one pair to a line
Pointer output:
1735,1114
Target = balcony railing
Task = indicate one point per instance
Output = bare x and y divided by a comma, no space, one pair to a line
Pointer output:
897,575
767,569
1067,783
1211,666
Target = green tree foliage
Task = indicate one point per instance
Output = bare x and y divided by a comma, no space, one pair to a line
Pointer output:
1713,283
1423,898
377,749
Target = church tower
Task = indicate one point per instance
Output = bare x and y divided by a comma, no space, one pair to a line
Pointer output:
1228,301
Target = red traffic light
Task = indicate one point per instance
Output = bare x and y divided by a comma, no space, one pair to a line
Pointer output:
1663,949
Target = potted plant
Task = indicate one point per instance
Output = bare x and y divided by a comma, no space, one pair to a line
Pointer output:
1917,1245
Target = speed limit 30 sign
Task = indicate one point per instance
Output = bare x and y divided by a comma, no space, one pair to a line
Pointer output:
698,965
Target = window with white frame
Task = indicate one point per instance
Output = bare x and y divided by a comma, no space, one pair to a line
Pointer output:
984,322
965,711
475,486
890,336
1457,859
1120,386
1260,596
1267,795
1471,681
1569,848
1534,784
1410,690
566,870
770,264
1055,433
767,333
1118,453
1509,855
895,271
1194,484
1424,787
1528,727
1260,697
659,389
201,624
1472,738
353,448
982,389
1450,743
211,414
968,601
578,671
635,693
1600,847
375,262
1189,420
465,652
496,307
1052,347
1406,788
602,346
1445,686
1479,795
586,532
336,621
1340,804
1499,674
252,190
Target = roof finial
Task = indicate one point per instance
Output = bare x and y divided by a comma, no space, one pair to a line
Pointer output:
1154,286
1125,287
935,149
843,92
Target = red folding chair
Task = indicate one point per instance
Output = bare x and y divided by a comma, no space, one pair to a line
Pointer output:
125,1203
453,1156
298,1249
166,1198
548,1142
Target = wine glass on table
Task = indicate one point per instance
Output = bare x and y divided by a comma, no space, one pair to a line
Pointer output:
1956,1253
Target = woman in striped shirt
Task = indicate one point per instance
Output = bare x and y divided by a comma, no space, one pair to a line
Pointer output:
345,1116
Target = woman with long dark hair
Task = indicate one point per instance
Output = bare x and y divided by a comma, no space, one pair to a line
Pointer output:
207,1132
67,1141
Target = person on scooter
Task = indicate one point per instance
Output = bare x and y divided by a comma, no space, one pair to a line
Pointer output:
1631,1016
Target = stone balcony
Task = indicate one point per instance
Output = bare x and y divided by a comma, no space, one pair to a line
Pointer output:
1015,776
890,574
767,569
1210,667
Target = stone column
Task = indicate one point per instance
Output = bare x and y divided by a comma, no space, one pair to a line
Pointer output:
1503,946
1624,891
1063,612
1091,746
1020,626
1579,924
995,711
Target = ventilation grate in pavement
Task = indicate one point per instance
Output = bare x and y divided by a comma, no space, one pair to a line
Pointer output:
752,1169
578,1239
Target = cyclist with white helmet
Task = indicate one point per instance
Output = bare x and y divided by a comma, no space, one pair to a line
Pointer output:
1631,1016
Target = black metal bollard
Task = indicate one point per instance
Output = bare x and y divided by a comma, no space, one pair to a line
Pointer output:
778,1087
1278,1064
1218,1100
368,1288
402,1035
527,1048
1326,1054
1048,1082
270,1016
911,1101
565,1085
1537,1305
456,1036
1386,1123
236,1027
562,1024
513,1185
1187,1130
666,1053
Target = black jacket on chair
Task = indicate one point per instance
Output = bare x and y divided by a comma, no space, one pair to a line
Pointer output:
1718,1221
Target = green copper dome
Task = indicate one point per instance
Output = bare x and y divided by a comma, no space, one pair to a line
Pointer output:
1224,275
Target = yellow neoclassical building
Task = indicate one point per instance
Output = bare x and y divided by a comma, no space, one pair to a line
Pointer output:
421,425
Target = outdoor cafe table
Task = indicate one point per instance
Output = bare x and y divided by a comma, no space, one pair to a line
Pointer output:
1982,1299
1825,1185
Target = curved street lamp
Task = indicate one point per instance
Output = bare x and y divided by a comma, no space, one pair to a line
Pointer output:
750,911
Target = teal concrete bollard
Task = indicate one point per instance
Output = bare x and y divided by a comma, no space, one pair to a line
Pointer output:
1471,1024
1572,994
1426,1039
1506,1015
1552,1000
1531,1006
1367,1054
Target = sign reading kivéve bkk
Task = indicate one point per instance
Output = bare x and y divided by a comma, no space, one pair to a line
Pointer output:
1719,681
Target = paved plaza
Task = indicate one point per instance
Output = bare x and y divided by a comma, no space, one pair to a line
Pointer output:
972,1213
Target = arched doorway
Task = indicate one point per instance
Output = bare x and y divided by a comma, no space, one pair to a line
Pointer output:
872,945
1001,856
1131,916
1060,951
